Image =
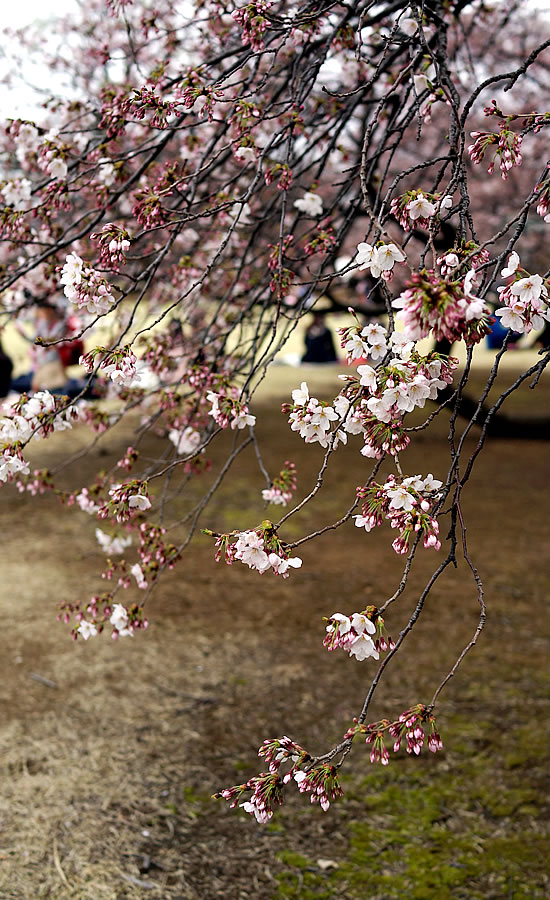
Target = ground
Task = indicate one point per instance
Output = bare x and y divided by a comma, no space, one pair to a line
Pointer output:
110,752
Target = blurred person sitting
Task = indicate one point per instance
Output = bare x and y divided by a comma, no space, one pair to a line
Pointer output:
319,342
49,363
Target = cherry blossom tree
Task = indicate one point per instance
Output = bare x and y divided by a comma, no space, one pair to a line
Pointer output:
211,171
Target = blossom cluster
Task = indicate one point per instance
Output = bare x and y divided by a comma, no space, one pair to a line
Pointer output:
85,501
114,243
312,418
379,259
447,308
407,505
125,501
124,621
253,22
112,545
17,193
84,287
260,549
282,487
185,440
320,781
416,208
508,149
119,365
375,403
408,727
228,410
36,416
367,342
526,299
353,634
12,464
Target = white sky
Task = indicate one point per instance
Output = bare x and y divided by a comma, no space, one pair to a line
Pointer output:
20,101
26,11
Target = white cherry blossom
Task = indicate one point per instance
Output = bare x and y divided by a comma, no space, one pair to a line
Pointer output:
511,265
344,623
87,629
408,26
361,623
528,289
363,648
421,208
310,204
111,544
363,522
368,377
300,395
400,498
364,255
139,501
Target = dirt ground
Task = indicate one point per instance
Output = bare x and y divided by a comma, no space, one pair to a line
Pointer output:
109,752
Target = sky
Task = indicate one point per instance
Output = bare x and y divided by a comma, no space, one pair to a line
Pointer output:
20,101
26,11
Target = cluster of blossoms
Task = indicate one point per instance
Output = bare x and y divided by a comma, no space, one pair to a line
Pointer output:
526,299
245,153
114,243
368,342
283,277
450,261
185,440
127,461
353,634
28,141
408,381
288,762
416,208
253,22
282,487
312,418
508,149
229,410
17,193
112,545
125,500
51,161
118,365
323,241
84,287
260,549
85,501
154,553
36,416
310,204
407,505
408,727
12,464
380,259
543,206
447,308
124,621
266,789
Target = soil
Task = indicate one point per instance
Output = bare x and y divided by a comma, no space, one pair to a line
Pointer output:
110,752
